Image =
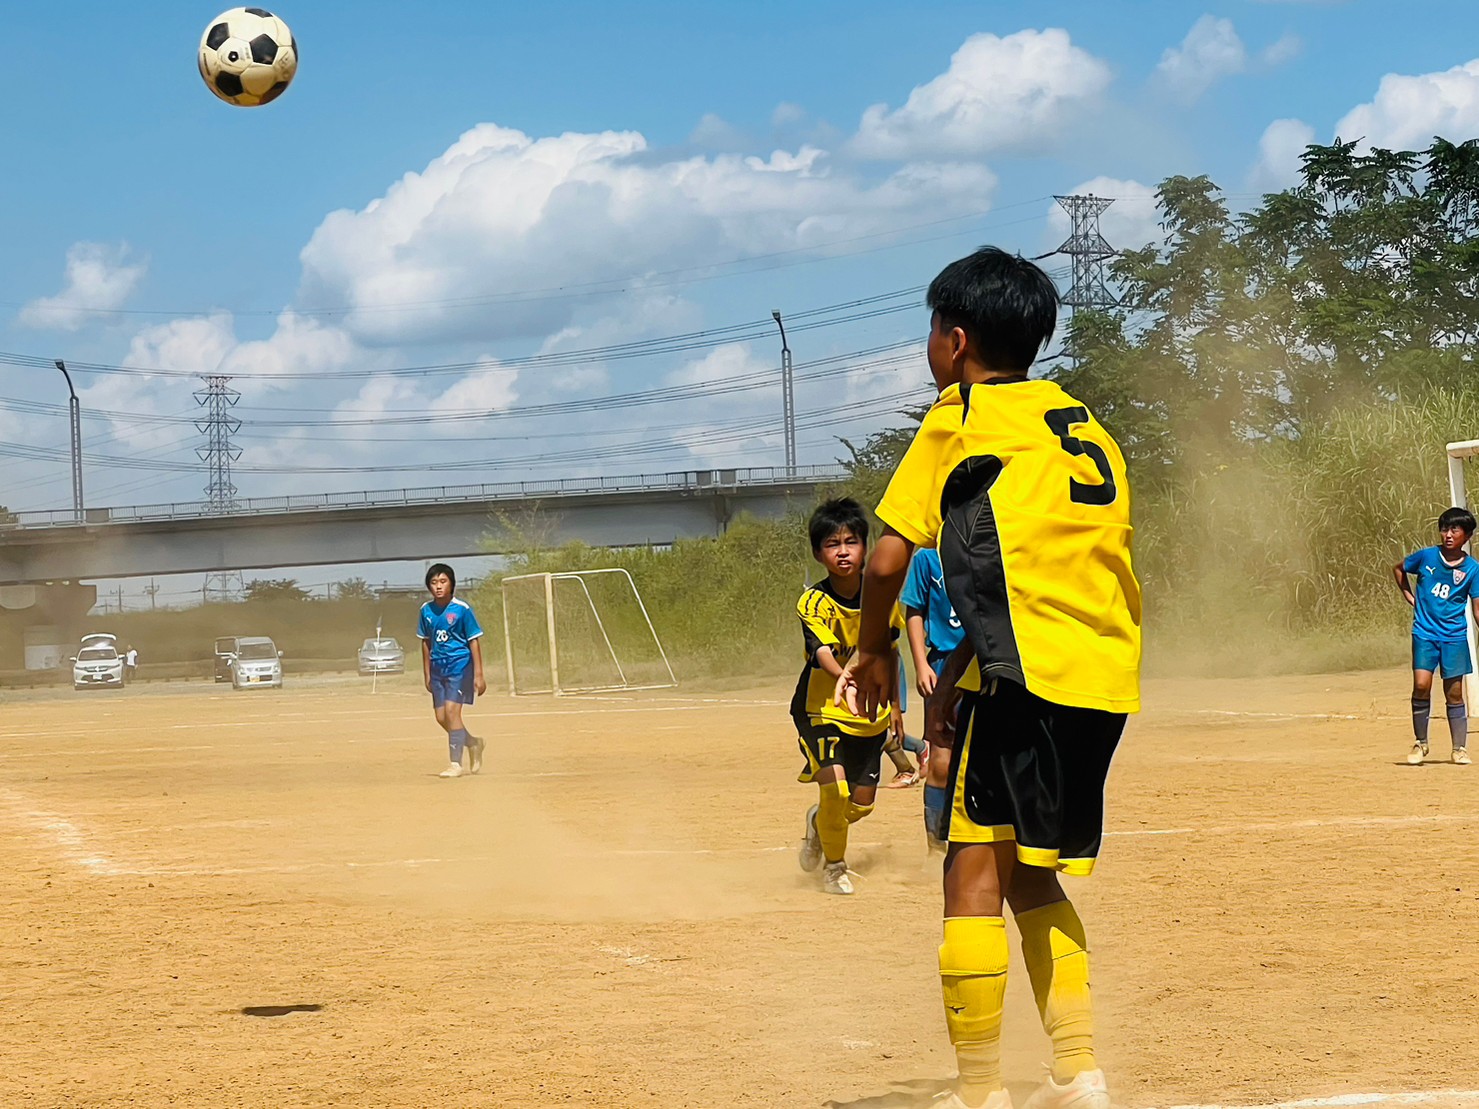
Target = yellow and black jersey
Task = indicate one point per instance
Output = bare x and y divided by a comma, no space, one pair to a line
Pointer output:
1025,495
830,620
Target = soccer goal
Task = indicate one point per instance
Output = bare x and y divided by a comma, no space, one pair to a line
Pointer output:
584,631
1459,498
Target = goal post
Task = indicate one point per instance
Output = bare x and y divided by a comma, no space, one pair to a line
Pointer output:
580,631
1459,498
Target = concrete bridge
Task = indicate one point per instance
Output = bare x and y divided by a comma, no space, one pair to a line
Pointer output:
401,524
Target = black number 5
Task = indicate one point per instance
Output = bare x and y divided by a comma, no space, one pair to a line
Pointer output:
1059,420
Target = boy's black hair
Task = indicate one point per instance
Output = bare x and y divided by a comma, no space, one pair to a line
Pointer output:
1457,517
1006,305
441,568
832,516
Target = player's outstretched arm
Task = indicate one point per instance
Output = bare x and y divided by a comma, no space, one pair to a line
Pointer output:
868,684
1400,573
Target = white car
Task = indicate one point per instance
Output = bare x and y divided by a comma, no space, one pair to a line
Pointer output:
258,663
382,656
97,663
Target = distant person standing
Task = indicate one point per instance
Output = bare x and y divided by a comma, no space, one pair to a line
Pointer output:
130,662
452,662
934,631
1440,634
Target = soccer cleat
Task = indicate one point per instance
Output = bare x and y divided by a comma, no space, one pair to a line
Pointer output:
1461,756
474,754
997,1099
835,879
454,770
1086,1091
1417,754
811,843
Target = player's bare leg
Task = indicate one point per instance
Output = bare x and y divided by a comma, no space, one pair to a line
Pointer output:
1422,710
1458,718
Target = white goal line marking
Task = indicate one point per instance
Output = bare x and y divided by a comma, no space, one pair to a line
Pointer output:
1273,715
1338,1101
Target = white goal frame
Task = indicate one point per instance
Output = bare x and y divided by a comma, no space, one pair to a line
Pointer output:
556,687
1457,453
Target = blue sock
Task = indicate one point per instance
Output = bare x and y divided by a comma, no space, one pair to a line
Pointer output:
455,740
1458,724
936,812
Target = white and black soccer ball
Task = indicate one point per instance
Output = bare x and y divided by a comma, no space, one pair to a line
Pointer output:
248,57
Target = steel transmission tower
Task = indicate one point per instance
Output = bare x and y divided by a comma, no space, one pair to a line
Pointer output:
1089,251
218,425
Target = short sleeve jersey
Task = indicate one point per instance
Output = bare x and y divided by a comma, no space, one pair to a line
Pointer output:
1441,592
924,591
450,631
830,620
1025,495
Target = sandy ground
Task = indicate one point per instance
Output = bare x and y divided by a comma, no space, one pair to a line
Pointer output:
268,898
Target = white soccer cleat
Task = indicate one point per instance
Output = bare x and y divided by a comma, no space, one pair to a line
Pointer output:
474,754
1461,756
811,843
1087,1090
997,1099
835,879
454,770
1417,754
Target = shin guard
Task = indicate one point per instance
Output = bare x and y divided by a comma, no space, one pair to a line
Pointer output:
832,820
973,978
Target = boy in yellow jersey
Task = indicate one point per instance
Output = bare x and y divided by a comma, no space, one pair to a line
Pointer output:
1024,494
842,749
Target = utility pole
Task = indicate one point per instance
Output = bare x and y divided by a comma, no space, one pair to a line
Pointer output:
74,410
218,425
788,396
1089,251
151,591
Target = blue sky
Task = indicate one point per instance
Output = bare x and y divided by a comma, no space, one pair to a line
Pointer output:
646,170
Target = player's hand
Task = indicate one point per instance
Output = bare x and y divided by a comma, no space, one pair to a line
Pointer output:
479,685
428,684
926,680
867,683
939,725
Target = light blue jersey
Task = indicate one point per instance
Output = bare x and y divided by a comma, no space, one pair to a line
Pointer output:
450,630
924,590
1442,591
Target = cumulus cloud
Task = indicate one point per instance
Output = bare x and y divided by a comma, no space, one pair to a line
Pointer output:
1127,224
1210,51
563,216
1283,49
1408,111
1012,92
1279,150
99,279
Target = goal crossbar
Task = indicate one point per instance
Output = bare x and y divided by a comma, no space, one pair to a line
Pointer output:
557,687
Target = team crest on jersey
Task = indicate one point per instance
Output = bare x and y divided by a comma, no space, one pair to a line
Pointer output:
451,618
1458,576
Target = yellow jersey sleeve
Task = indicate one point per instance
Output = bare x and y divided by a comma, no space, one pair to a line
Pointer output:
815,610
911,504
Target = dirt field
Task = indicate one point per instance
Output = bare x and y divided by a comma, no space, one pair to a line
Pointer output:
269,899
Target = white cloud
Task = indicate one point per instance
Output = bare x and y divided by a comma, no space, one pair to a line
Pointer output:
786,114
1285,48
1279,150
562,216
1408,111
1018,91
1210,51
99,279
1127,224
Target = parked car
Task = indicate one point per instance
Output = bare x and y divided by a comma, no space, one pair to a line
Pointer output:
225,657
381,656
97,663
258,662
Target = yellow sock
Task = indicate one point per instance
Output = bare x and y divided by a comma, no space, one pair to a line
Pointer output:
832,821
973,977
856,812
1057,958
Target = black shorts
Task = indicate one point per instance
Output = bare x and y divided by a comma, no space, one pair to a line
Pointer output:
1032,771
826,745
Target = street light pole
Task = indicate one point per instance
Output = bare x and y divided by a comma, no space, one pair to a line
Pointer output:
788,396
74,409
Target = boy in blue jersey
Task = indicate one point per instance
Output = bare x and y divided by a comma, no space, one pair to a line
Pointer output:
452,662
1440,640
934,631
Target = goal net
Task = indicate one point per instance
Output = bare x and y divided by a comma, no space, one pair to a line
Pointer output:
1459,498
584,631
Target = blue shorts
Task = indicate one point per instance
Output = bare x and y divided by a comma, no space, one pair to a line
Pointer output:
1452,658
451,687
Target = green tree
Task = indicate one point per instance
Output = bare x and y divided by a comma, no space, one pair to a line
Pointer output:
354,589
276,589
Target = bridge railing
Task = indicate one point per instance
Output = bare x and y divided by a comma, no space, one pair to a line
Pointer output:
675,481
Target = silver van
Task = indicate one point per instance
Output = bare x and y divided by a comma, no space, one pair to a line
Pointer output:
258,663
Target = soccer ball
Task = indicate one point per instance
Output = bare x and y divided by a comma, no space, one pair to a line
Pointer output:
248,57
